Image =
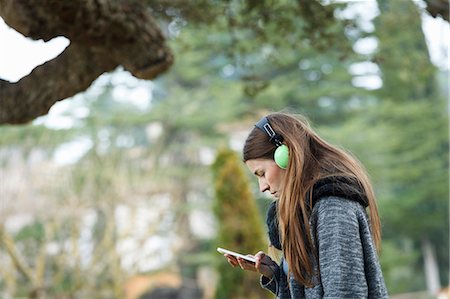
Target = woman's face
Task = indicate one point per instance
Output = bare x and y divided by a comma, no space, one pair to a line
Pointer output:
270,176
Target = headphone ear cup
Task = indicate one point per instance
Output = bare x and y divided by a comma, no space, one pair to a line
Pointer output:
281,156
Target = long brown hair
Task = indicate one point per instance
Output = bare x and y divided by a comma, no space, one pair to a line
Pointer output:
310,159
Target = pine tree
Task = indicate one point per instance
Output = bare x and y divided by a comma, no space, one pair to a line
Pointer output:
240,227
415,144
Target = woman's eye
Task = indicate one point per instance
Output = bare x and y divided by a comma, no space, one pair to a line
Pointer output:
259,174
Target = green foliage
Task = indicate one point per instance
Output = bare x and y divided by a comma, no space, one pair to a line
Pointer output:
248,23
414,146
399,259
265,59
239,226
34,232
411,76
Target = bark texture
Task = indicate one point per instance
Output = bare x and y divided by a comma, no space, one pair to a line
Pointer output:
103,34
438,8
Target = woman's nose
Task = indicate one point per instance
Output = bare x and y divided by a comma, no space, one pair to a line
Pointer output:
263,186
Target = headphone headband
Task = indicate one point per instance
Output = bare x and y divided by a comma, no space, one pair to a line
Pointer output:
281,154
264,125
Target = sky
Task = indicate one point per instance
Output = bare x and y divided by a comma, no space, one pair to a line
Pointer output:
20,55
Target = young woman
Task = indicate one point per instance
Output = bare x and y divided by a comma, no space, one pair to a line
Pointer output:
319,218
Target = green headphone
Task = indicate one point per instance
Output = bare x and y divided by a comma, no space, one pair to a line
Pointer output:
281,155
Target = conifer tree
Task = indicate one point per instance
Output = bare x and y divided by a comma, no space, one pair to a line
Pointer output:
240,227
414,150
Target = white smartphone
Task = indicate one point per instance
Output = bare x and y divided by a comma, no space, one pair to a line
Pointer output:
245,257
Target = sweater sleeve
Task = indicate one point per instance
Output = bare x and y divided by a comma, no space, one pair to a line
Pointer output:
340,252
278,284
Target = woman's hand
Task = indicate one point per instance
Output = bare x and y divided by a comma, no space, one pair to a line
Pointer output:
264,264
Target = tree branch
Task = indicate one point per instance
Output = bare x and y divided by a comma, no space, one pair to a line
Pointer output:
438,8
53,81
103,35
17,260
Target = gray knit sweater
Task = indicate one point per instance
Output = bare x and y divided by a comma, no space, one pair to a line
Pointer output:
348,261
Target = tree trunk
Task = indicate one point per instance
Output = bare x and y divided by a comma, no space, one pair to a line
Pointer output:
431,267
103,35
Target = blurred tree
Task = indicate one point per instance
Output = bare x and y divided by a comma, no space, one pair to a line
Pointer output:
57,256
239,227
415,142
279,69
